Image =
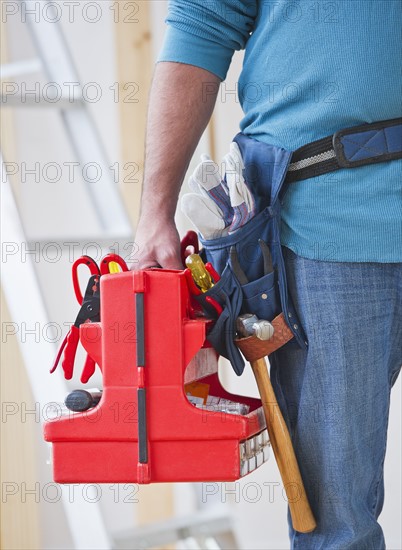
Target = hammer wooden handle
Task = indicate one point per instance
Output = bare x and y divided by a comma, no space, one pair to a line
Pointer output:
302,516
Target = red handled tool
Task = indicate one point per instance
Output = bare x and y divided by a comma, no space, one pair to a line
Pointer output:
107,265
89,312
93,268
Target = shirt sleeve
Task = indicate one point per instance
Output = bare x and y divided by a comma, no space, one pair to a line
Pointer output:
206,33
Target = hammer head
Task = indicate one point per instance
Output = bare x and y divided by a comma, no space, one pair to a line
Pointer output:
244,324
249,325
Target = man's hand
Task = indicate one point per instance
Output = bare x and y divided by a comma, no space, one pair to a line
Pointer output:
157,244
181,103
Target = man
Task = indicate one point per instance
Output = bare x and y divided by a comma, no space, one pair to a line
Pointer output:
315,68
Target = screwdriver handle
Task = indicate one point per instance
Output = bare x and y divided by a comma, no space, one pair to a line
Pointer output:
200,274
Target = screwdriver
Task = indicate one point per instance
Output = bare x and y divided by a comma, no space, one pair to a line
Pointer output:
199,272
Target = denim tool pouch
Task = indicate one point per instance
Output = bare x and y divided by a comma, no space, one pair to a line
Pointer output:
265,294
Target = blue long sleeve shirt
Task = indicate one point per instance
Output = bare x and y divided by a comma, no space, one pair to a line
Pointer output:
311,67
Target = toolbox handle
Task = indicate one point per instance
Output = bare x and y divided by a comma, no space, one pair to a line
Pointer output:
190,239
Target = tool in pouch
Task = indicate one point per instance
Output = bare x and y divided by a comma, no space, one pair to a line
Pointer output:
249,260
89,312
252,275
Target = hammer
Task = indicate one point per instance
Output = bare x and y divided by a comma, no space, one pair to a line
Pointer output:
302,517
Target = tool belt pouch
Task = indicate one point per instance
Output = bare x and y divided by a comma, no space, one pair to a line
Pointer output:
265,295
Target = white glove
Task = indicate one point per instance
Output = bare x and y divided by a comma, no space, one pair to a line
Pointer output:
204,214
241,197
207,181
218,207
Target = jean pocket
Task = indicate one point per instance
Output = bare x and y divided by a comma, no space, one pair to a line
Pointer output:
261,297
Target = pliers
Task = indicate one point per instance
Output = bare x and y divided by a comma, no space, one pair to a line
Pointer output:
238,270
89,312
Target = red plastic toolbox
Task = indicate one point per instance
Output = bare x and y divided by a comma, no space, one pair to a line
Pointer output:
144,428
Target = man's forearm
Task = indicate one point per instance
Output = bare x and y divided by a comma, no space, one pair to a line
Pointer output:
181,103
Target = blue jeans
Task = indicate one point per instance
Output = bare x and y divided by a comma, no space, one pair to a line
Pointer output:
336,394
